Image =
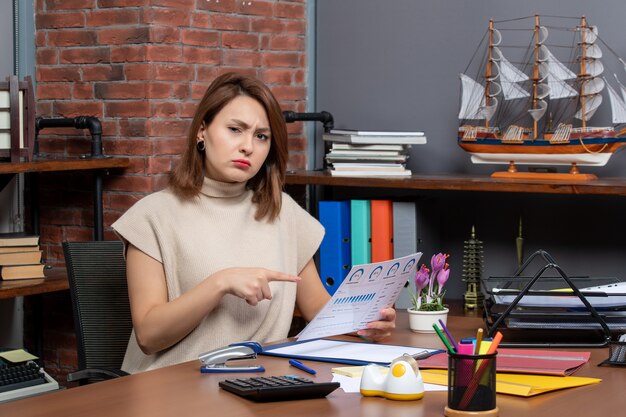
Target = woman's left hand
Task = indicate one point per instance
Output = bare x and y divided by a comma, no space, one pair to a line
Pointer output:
377,331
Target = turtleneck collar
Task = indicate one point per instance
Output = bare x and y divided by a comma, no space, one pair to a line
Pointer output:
213,188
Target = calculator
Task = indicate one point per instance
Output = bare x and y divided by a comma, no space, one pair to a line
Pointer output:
278,388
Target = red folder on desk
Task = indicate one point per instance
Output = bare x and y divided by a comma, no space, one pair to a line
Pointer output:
525,361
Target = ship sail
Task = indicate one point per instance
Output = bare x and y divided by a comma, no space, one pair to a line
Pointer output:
591,67
509,77
618,106
556,74
473,103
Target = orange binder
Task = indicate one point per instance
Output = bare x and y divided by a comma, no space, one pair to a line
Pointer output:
382,230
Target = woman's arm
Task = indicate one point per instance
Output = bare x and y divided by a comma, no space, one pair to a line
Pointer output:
160,323
312,296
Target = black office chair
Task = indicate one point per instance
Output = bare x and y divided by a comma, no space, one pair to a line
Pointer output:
97,278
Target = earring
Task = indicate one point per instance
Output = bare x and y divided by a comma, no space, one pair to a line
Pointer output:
200,146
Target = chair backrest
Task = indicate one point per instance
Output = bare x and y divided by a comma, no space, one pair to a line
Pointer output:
97,277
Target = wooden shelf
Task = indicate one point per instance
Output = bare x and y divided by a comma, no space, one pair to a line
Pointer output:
66,164
603,186
56,280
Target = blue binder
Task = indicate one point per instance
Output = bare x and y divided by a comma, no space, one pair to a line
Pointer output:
335,248
361,232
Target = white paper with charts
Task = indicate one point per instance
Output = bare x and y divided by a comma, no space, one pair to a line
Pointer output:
365,291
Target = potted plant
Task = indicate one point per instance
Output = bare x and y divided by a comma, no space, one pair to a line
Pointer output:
428,307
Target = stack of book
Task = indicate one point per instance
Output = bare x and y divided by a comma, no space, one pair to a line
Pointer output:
368,153
20,256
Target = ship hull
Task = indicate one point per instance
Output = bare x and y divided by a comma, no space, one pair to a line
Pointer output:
586,151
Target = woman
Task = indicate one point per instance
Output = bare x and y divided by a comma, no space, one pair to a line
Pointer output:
222,255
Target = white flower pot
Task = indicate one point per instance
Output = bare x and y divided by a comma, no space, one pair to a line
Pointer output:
422,321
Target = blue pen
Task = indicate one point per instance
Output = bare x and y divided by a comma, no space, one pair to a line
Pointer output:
301,366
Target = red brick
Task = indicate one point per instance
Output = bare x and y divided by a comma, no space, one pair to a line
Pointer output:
281,59
231,22
297,144
175,146
123,201
102,72
105,17
167,128
287,43
206,56
60,20
130,147
159,165
47,56
78,108
240,40
138,71
173,72
189,109
225,6
270,25
136,165
69,4
199,37
82,91
110,127
200,20
133,128
295,27
257,8
158,90
164,109
84,55
181,91
57,74
78,234
122,36
127,108
120,3
75,37
290,10
277,76
241,58
168,17
116,91
182,4
296,161
51,91
40,38
164,53
164,34
134,53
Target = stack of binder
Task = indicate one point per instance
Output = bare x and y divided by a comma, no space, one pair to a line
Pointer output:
369,153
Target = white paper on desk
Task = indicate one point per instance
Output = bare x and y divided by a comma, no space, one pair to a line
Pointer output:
365,291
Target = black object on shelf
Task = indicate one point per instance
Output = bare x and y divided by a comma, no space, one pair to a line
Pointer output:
564,322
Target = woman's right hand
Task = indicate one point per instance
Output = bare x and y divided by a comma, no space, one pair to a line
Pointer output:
251,284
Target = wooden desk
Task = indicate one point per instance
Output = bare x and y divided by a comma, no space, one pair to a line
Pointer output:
181,390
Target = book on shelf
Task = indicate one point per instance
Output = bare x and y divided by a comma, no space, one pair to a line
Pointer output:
18,239
366,158
11,272
372,147
370,173
347,166
371,139
20,258
11,249
373,133
334,152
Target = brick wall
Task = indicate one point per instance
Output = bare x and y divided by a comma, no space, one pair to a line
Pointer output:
140,66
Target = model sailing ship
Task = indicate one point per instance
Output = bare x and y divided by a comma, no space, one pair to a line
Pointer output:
537,107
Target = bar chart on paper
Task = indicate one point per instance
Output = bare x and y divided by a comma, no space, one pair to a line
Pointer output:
364,292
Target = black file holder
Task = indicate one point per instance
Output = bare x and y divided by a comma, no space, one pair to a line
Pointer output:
546,318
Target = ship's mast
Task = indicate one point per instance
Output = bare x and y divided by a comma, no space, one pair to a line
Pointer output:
536,73
583,72
488,69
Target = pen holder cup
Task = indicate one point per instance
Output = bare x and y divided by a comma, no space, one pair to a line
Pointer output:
471,385
617,355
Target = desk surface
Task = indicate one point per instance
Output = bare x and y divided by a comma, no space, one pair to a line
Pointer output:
181,390
56,280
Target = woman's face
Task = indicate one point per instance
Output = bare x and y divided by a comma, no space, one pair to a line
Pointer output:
237,141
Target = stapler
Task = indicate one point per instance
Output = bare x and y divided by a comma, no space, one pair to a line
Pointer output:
215,360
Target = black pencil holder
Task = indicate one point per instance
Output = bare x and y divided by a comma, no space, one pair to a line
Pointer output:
617,355
471,385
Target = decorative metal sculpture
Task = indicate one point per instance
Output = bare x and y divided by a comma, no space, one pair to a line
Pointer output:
472,271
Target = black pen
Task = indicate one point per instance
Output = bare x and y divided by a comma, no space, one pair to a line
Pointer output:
301,366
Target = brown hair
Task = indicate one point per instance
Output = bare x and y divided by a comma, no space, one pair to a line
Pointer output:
187,178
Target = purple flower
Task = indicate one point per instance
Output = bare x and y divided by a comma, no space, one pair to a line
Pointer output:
421,278
437,262
442,277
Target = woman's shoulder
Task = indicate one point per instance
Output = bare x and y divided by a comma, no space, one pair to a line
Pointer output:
157,202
